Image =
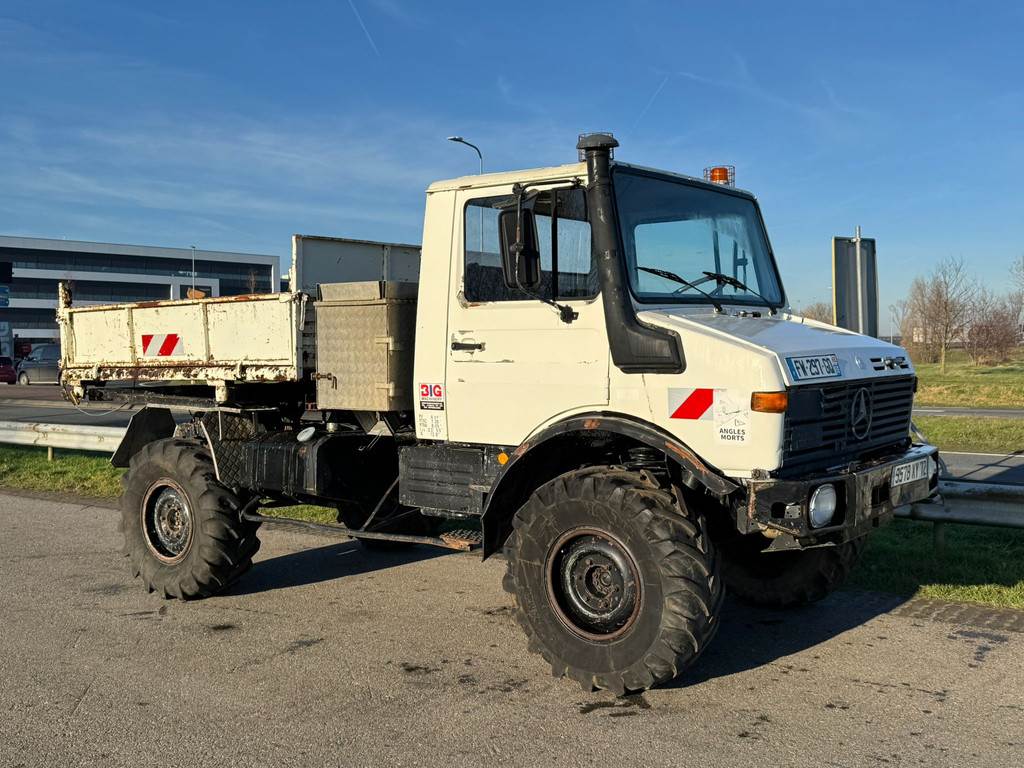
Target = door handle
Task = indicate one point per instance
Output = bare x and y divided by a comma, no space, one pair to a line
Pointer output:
466,346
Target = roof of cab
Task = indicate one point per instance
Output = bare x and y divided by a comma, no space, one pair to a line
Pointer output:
510,177
555,172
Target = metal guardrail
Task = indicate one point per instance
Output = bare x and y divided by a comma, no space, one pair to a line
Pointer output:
995,504
71,436
990,504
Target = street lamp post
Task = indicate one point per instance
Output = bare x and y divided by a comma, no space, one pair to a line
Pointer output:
193,271
474,147
479,154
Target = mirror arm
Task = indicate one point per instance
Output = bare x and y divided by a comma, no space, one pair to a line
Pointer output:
565,313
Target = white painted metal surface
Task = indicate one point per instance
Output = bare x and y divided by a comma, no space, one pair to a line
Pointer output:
317,260
237,338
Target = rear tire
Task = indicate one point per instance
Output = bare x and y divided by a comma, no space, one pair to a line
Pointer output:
182,532
615,583
786,579
24,380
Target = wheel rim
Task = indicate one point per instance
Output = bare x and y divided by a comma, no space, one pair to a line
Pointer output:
167,521
593,584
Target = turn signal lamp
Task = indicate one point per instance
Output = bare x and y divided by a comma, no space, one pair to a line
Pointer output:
721,174
769,402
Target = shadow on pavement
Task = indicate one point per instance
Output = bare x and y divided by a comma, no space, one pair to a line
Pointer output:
992,469
751,637
318,564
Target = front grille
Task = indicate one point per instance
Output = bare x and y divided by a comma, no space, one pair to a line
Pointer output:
818,429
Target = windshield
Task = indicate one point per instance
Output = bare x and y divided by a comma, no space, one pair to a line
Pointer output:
674,232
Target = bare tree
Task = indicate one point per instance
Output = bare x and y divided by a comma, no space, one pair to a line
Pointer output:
1016,297
898,312
915,329
819,310
1017,274
253,281
992,331
940,307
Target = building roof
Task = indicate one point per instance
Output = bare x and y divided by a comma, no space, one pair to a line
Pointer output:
120,249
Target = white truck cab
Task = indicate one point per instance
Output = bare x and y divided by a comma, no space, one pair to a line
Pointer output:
597,372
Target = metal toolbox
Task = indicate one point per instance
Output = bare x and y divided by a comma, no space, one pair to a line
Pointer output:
364,345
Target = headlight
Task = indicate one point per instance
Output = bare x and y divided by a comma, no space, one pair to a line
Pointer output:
822,506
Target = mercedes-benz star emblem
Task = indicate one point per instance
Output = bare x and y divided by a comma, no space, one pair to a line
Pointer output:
860,413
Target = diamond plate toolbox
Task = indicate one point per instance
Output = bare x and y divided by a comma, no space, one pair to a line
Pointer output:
364,345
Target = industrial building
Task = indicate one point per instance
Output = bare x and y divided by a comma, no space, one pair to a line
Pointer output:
105,273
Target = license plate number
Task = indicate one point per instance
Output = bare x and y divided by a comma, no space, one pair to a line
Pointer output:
909,472
814,367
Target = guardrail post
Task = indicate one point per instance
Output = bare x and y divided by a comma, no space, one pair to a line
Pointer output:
49,453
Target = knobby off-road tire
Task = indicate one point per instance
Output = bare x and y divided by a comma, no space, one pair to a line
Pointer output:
786,579
182,532
615,583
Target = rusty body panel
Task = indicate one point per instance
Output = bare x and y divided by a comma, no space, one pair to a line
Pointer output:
249,338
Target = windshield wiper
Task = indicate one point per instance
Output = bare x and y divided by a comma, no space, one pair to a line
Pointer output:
723,279
677,279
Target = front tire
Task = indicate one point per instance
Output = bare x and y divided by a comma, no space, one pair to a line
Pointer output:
182,532
616,583
786,579
24,380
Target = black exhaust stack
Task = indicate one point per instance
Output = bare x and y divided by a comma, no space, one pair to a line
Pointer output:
635,347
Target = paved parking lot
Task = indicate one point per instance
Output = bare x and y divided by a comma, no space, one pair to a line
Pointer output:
325,654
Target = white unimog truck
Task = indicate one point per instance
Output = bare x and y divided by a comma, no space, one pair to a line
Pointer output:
596,372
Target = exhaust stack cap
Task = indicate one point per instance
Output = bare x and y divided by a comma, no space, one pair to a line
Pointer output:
591,142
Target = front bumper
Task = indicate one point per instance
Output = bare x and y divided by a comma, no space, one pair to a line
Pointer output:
866,499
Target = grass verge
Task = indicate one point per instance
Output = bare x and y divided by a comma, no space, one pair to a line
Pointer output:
981,565
72,472
88,474
967,433
971,386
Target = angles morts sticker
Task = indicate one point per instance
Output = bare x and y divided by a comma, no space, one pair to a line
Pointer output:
729,411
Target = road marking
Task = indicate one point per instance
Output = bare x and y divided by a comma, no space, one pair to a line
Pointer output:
968,453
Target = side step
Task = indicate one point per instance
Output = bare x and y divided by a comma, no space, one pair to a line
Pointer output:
462,540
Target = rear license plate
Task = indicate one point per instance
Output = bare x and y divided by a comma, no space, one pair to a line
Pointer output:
814,367
909,472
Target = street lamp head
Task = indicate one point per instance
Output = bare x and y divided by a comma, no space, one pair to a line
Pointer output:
455,138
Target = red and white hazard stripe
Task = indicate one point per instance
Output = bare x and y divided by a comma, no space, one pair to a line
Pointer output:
162,345
693,404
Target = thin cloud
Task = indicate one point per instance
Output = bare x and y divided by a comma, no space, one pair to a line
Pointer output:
369,37
650,101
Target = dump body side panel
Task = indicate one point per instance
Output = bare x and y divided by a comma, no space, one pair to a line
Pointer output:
235,338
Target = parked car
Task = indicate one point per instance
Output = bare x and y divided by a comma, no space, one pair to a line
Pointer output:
42,366
7,372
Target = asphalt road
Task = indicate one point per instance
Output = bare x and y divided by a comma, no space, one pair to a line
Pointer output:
324,654
985,467
991,413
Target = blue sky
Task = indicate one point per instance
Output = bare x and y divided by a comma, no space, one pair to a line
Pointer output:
233,125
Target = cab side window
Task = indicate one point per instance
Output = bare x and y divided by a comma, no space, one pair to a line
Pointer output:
567,271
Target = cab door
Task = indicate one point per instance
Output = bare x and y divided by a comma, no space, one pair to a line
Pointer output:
512,363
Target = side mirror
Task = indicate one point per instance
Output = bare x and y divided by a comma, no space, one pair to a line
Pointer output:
520,256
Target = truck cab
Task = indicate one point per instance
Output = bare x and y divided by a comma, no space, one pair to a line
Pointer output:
597,373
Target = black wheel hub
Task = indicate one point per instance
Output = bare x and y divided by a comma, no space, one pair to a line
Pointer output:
167,521
593,584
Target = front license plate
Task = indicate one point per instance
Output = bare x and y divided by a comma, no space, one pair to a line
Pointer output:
909,472
814,367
